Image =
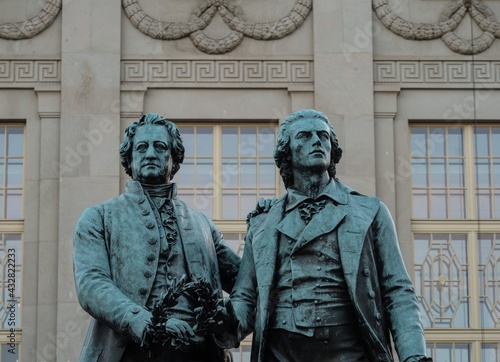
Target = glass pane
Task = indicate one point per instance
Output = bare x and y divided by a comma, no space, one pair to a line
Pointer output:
497,205
2,172
495,141
267,173
419,172
496,173
462,353
420,204
457,174
489,352
482,173
438,204
204,142
457,204
455,142
266,141
483,204
438,173
2,141
230,173
248,200
248,141
14,172
15,143
418,141
235,242
2,200
230,205
248,173
489,280
229,141
204,173
13,202
481,139
437,142
185,176
9,352
187,134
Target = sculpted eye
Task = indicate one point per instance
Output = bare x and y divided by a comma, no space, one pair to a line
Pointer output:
141,147
161,147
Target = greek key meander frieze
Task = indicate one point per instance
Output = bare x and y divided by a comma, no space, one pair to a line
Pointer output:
30,71
230,71
437,72
449,20
201,17
33,26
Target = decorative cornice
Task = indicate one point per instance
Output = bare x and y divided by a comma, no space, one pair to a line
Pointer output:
34,26
449,20
202,16
438,73
215,73
19,72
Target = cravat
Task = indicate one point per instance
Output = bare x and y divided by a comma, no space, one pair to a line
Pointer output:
309,208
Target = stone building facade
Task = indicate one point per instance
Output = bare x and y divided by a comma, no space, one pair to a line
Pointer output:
411,87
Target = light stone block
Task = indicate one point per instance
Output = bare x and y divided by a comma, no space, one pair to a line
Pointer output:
72,324
31,210
49,148
47,272
30,273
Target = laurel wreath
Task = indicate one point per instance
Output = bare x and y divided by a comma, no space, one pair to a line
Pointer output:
207,313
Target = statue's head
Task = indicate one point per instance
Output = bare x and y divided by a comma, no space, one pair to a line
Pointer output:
152,149
303,121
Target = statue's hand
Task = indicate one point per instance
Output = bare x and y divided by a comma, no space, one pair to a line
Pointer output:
263,206
224,320
179,329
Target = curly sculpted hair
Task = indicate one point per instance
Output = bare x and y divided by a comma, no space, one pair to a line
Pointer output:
176,146
282,152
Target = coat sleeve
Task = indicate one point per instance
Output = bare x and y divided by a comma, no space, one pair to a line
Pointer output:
97,293
398,296
244,295
228,261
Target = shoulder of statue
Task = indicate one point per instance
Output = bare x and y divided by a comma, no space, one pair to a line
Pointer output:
257,218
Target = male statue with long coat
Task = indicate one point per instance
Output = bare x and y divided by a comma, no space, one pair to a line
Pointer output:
131,253
322,278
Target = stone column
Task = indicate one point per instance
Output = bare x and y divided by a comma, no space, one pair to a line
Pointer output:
90,124
343,72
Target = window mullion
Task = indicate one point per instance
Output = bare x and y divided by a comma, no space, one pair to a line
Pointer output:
217,167
473,280
470,181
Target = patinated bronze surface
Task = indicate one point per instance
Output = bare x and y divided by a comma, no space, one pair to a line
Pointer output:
322,277
149,269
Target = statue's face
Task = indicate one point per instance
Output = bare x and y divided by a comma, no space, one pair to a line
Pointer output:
310,145
151,155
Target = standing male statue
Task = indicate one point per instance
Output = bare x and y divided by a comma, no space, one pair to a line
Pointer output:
322,278
131,253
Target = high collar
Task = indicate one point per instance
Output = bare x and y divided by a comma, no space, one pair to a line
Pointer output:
135,187
331,191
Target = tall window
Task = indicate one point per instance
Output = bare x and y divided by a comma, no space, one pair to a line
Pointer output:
227,168
456,238
11,231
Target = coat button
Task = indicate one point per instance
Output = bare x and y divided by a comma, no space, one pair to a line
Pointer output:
148,274
366,272
143,291
318,253
145,212
169,276
318,319
371,294
151,257
293,257
120,343
152,241
150,225
141,200
378,316
135,310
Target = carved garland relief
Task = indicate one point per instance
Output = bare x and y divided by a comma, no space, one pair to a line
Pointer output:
34,26
449,20
232,16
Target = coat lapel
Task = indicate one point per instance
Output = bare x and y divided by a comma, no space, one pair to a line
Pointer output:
322,223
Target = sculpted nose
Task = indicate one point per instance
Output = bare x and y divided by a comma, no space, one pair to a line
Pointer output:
316,140
150,153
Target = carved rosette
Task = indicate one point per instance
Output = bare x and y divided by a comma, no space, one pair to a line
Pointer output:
202,16
449,20
34,26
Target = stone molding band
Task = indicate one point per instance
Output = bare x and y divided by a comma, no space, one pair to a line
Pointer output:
33,26
202,16
449,20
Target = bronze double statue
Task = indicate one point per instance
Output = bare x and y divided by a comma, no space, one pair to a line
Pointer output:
321,280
